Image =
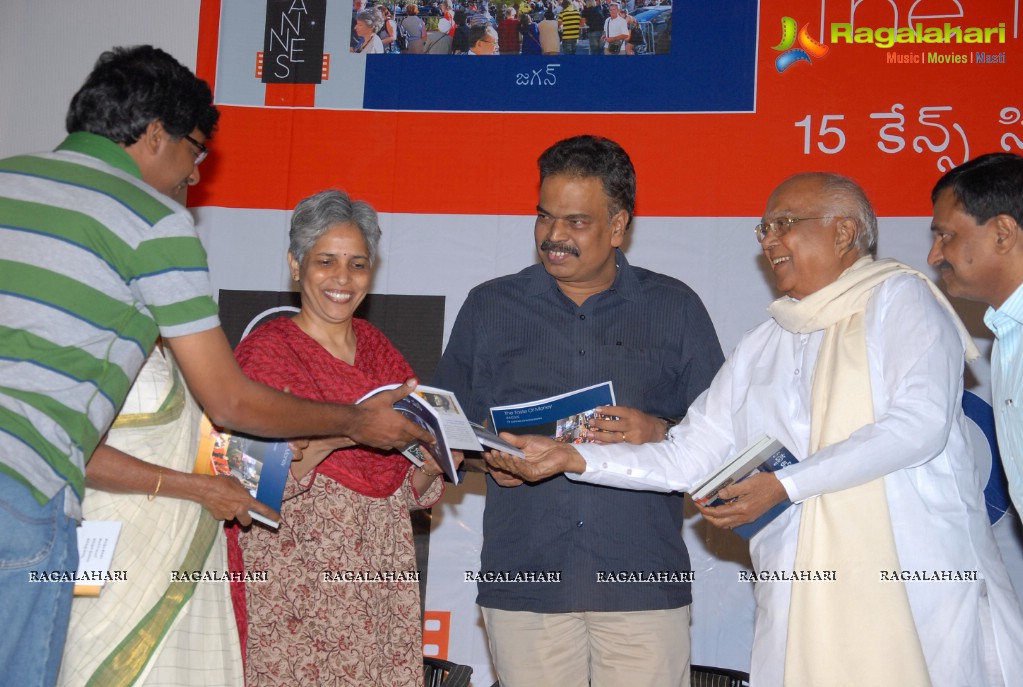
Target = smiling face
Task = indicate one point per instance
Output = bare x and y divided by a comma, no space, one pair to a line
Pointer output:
574,235
814,252
964,251
334,277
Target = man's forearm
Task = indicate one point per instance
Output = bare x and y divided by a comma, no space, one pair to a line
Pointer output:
114,471
224,497
232,400
263,411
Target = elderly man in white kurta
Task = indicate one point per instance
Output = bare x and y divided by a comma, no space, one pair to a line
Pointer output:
888,498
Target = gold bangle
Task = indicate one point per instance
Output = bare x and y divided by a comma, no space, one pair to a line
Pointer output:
430,474
159,481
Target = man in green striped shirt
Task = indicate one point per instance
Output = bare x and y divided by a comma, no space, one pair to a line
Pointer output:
97,259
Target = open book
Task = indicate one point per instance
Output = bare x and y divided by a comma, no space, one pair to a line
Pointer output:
439,413
764,454
261,465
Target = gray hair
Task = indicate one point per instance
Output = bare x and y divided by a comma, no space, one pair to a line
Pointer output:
845,198
316,215
371,17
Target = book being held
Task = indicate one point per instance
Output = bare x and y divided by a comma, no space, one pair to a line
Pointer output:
764,454
566,417
438,412
261,465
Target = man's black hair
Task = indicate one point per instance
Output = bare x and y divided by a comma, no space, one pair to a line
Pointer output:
987,186
131,87
594,156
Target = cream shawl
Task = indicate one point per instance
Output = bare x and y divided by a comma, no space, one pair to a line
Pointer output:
854,631
151,627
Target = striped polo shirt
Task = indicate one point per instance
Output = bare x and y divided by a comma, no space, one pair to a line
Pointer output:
94,265
569,19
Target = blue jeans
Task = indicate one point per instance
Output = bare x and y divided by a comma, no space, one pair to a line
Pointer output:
35,614
568,46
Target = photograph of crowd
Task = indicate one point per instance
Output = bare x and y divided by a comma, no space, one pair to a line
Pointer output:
235,455
574,429
523,27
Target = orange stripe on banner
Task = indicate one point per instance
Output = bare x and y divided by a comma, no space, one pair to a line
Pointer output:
436,633
485,164
209,35
290,95
462,163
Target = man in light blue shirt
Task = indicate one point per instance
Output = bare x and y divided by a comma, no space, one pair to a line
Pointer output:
978,248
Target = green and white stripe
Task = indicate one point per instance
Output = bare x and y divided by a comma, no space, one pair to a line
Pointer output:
94,265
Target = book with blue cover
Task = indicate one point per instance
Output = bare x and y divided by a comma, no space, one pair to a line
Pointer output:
565,418
764,454
439,413
261,465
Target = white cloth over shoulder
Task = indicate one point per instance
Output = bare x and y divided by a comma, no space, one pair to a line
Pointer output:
149,629
919,443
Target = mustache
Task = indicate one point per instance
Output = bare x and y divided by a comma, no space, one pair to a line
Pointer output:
559,247
943,265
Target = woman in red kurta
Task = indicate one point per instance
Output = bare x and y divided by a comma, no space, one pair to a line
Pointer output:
341,602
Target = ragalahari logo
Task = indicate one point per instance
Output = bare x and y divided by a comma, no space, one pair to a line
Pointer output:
808,46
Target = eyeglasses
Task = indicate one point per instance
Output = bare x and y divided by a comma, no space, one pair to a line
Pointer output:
780,227
203,150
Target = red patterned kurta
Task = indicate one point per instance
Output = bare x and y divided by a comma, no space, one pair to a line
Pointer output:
304,629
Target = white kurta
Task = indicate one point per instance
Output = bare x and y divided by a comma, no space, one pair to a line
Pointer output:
919,442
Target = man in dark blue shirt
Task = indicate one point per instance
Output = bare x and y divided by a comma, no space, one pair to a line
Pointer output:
619,613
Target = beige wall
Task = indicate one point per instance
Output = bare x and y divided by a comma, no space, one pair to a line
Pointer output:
47,47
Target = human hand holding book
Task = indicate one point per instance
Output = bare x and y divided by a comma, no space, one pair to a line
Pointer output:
574,417
258,466
545,458
496,446
379,422
622,424
743,494
744,501
438,412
